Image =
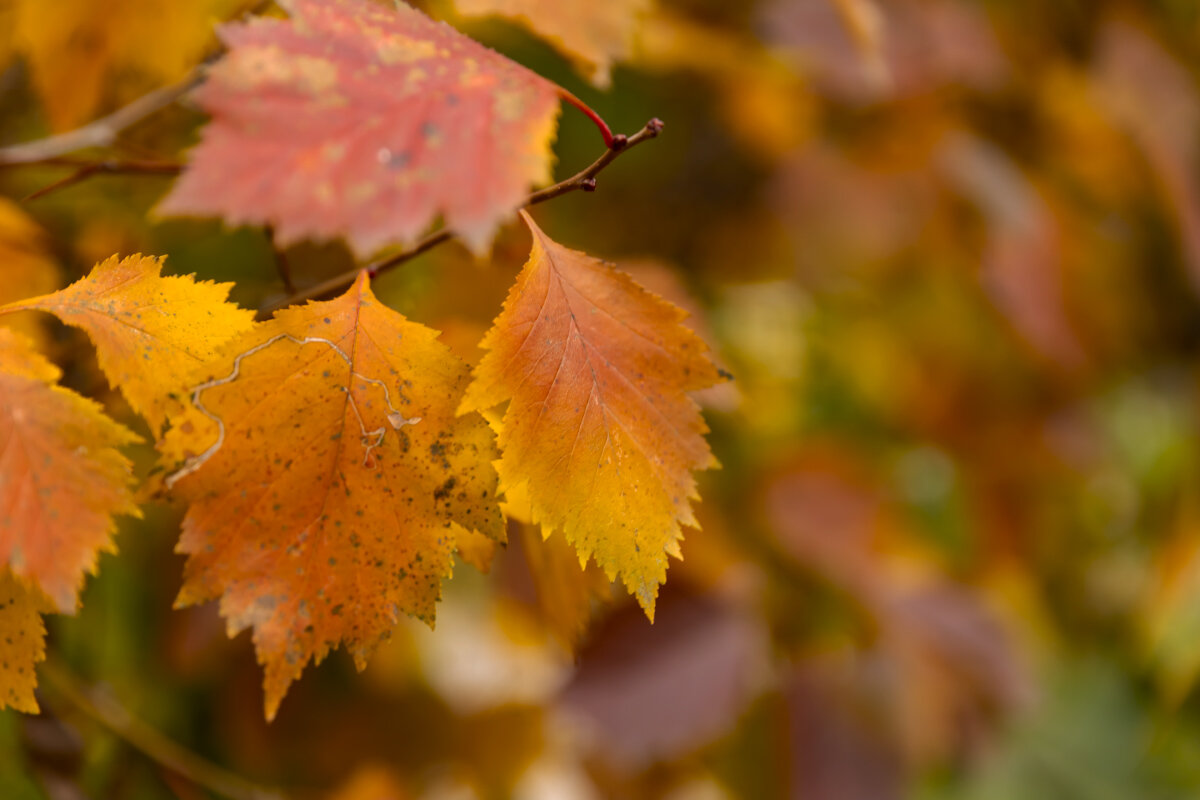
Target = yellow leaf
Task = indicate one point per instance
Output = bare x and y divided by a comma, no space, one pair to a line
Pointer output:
594,34
371,782
22,642
61,477
762,99
475,548
326,473
25,267
152,333
1169,622
565,591
864,22
6,27
78,49
599,423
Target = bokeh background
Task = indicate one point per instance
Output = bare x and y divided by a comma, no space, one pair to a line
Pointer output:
950,251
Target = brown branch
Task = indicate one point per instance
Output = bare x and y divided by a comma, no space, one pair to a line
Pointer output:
85,169
105,710
104,131
583,181
282,265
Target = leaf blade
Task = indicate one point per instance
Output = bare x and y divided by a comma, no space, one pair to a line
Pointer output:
403,119
22,642
151,332
324,515
599,425
61,477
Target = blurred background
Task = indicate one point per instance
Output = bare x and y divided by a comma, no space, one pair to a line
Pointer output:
950,251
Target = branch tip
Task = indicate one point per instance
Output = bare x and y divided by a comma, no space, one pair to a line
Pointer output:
581,181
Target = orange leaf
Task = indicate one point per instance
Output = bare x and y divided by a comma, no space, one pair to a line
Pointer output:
357,120
599,424
61,477
565,593
152,333
371,782
594,34
324,501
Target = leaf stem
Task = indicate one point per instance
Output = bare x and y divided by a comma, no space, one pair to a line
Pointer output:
605,131
105,710
581,181
85,169
282,265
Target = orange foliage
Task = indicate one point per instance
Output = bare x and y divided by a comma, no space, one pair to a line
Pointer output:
599,424
61,476
327,473
135,316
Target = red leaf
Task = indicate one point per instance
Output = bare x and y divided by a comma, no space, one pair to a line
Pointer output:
360,121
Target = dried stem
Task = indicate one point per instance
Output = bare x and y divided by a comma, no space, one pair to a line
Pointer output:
104,131
85,169
582,181
282,265
105,709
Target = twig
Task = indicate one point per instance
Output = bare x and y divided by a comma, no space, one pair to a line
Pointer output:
104,131
582,181
282,265
85,169
105,710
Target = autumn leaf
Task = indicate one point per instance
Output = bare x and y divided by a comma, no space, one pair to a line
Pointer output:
6,26
565,593
652,694
371,782
25,267
327,473
599,424
864,22
1170,609
362,121
22,641
61,476
950,651
151,332
77,50
593,34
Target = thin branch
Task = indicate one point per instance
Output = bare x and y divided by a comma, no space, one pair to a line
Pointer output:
85,169
105,710
282,265
583,181
104,131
